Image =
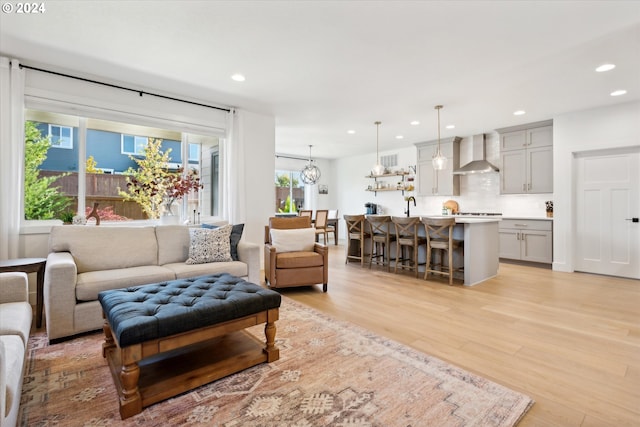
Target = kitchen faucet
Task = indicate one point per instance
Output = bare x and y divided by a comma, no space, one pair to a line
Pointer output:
409,199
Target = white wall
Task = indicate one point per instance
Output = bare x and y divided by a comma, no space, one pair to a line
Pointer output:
595,129
258,134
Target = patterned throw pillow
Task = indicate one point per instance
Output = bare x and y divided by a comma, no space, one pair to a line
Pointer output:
208,245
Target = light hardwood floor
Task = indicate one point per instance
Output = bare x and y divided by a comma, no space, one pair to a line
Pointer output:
571,341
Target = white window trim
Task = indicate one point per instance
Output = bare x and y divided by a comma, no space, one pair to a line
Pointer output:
135,145
55,144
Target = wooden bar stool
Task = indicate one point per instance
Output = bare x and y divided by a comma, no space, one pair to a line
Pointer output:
408,243
440,237
356,236
382,234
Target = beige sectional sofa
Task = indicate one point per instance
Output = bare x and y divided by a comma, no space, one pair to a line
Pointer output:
85,260
15,324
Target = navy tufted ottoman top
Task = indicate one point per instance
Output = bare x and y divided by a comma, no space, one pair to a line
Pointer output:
143,313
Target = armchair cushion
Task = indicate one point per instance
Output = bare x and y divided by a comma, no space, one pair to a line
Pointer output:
299,260
293,240
207,245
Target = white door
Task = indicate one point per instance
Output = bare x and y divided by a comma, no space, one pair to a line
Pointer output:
607,208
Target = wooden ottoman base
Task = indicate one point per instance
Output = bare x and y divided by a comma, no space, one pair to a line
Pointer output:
154,370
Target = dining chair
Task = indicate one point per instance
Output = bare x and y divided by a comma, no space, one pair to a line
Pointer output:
356,237
408,243
308,213
321,224
439,233
382,234
332,224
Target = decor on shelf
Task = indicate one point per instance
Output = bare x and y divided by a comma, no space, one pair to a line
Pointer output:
310,174
378,169
94,213
549,208
439,161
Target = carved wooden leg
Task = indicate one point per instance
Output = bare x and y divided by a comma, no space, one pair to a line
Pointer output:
130,400
273,353
109,342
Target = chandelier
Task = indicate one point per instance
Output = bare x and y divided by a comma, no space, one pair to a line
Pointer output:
439,161
378,169
310,174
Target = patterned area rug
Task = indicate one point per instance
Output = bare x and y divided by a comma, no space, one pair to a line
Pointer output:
330,373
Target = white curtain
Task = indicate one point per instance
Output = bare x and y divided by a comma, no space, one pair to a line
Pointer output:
232,171
12,158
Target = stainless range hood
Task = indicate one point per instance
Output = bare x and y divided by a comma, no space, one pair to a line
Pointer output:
478,154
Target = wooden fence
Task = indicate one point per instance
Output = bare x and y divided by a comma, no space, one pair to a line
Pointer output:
101,189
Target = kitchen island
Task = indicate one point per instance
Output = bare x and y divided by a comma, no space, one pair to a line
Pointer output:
476,260
479,254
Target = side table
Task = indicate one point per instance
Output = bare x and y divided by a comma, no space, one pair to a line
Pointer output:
29,265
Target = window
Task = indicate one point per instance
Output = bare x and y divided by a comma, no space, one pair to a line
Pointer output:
53,180
61,136
194,152
289,191
134,145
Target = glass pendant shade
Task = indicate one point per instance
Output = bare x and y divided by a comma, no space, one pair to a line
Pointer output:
310,174
438,160
377,169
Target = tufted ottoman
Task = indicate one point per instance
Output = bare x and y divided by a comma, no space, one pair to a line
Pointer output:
167,338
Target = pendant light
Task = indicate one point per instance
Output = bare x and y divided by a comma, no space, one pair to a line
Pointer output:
439,160
310,174
378,169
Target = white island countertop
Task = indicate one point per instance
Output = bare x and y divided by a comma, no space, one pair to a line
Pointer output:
460,219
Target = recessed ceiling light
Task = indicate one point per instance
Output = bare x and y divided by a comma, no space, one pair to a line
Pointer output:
399,136
451,126
415,123
605,67
618,92
351,131
519,113
238,77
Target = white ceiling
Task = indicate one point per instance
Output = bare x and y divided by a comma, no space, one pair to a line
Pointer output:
323,67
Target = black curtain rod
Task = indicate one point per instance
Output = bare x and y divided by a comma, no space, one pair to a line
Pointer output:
293,158
141,92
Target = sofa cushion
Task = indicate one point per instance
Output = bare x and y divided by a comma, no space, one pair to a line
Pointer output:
208,245
234,239
293,240
105,248
12,353
183,270
173,243
15,319
299,260
89,284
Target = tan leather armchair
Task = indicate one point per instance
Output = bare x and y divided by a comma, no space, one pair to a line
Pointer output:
294,268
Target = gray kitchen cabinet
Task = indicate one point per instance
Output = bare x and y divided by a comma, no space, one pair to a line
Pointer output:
526,240
526,153
438,183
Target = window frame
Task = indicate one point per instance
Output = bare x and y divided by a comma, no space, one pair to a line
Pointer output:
136,140
69,145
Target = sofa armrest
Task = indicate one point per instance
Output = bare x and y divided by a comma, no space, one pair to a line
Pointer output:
249,253
324,251
270,254
14,287
60,277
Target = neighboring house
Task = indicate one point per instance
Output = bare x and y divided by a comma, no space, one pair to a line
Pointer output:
111,151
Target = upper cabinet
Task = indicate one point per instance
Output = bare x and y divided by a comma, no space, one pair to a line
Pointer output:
526,152
438,183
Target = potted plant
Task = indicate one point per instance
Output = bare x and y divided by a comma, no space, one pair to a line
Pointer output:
549,208
67,217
